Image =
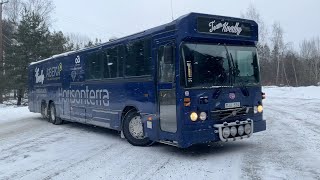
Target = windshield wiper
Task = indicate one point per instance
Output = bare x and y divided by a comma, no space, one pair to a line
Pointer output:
230,66
234,69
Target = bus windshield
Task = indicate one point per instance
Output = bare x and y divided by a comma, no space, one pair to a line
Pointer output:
209,65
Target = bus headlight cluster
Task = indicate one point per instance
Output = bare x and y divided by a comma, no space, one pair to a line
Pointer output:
240,130
247,128
258,109
194,116
234,131
226,132
203,116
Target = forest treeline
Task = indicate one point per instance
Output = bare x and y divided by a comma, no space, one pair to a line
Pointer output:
27,37
280,63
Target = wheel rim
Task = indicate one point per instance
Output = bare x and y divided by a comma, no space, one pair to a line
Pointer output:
136,128
52,113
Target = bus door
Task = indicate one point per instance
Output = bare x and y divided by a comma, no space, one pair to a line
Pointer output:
166,88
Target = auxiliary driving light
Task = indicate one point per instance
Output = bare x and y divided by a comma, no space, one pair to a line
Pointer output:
233,131
226,132
193,116
240,130
247,128
203,116
260,108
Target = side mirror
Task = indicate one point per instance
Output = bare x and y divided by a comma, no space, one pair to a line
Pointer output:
168,55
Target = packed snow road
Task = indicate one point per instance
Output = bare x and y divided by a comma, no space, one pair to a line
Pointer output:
31,148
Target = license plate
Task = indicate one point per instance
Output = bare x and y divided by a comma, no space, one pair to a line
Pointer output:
232,105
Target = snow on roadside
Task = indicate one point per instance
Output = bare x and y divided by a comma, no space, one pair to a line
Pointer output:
309,92
13,113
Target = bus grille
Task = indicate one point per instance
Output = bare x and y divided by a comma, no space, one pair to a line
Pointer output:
224,114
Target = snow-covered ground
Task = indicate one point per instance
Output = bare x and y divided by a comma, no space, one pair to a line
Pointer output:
31,148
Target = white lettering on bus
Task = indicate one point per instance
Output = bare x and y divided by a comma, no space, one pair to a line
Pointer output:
99,97
225,27
39,77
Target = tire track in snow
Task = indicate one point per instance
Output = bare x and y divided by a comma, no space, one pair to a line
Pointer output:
278,153
64,169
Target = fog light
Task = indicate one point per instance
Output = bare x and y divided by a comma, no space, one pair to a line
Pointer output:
233,131
203,116
247,128
260,109
226,132
193,116
240,130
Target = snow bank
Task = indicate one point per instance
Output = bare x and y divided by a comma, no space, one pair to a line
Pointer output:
310,92
12,113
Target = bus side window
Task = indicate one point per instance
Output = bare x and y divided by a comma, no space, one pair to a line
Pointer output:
113,62
138,62
166,63
110,63
94,66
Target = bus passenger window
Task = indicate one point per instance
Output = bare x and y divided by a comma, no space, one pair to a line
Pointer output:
110,63
94,67
113,62
166,64
138,60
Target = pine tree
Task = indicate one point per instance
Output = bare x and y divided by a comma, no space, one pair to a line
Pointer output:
31,40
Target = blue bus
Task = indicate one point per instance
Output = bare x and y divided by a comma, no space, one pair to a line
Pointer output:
194,80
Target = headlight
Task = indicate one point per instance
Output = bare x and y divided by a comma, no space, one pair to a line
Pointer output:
203,116
233,131
193,116
255,109
240,130
260,108
226,132
247,128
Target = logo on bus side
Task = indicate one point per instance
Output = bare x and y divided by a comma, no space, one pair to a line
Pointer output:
53,73
225,27
77,60
39,78
95,97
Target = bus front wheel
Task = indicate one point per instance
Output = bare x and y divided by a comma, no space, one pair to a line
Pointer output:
133,130
53,116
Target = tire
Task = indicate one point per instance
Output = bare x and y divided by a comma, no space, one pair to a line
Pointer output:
136,138
53,116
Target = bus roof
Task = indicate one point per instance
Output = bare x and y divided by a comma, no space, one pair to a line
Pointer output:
169,26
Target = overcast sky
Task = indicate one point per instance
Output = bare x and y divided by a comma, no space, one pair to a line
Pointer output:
106,18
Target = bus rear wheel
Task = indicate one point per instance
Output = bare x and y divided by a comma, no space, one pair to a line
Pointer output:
133,130
53,116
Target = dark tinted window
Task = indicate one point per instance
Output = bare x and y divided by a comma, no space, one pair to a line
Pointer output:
94,65
166,63
138,61
113,62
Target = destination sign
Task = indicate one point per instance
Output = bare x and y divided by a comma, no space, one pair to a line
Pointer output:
223,26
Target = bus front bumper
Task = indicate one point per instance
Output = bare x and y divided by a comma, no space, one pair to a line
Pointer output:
202,136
